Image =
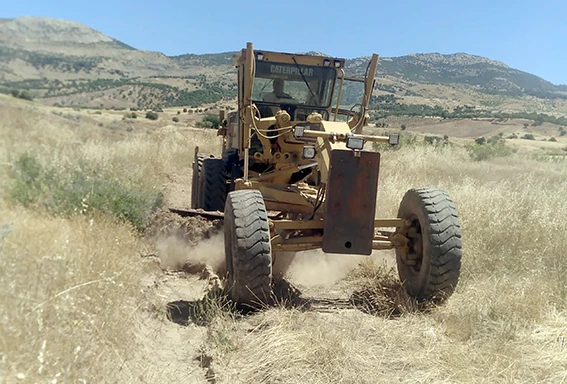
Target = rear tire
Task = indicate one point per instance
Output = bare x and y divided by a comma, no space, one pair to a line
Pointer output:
431,266
195,182
247,248
213,188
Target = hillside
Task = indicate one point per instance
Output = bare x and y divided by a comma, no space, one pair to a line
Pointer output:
66,63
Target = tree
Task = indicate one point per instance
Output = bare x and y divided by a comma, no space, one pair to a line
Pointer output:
25,95
213,120
151,115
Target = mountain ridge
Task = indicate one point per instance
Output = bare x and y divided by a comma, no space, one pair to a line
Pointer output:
37,52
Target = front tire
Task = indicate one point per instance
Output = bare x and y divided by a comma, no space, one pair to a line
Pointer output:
430,266
247,248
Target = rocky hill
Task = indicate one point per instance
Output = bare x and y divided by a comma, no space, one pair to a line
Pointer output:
67,63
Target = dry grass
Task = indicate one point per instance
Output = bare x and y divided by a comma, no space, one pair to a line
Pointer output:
70,282
507,321
70,289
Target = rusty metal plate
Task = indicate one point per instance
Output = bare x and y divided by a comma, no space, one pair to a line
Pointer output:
351,202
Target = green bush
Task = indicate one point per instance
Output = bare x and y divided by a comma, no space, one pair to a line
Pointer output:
209,121
80,191
528,136
480,140
553,139
151,115
25,95
175,119
481,152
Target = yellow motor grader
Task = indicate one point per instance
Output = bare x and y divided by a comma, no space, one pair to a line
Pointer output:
294,176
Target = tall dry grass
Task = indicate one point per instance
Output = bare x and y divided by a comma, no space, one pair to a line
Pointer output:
69,284
69,294
506,322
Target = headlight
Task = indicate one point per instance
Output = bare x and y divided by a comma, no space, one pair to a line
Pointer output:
394,139
309,152
354,142
298,131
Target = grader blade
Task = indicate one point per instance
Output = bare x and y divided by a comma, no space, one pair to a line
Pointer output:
211,215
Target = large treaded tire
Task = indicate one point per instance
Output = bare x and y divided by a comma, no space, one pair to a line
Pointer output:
247,249
213,187
435,245
195,182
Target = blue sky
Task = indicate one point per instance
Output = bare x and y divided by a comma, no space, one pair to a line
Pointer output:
524,34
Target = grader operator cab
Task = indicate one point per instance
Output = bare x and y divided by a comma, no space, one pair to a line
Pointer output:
294,176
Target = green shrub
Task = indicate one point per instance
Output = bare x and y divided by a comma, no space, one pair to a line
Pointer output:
80,191
480,140
481,152
25,95
151,115
209,121
528,136
553,139
403,127
175,119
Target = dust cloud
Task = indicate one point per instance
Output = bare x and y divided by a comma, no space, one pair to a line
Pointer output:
176,253
316,268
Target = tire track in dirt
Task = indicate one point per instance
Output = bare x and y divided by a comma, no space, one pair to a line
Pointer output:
182,278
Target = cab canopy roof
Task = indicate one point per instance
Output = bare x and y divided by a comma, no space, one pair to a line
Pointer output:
290,58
